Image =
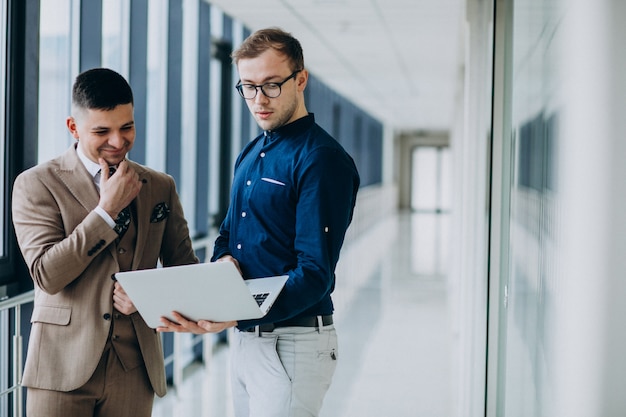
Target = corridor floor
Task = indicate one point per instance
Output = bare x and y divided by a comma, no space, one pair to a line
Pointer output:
392,318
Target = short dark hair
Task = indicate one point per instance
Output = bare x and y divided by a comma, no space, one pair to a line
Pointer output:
101,89
274,38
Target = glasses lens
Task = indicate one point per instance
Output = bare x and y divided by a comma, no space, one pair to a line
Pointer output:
272,90
247,91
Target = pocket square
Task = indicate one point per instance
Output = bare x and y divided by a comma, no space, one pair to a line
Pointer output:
159,213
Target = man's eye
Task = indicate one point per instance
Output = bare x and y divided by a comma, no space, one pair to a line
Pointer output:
271,87
100,132
249,87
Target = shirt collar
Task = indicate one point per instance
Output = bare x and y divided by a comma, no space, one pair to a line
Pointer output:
91,166
290,129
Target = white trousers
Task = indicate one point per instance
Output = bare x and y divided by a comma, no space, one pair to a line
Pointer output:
284,373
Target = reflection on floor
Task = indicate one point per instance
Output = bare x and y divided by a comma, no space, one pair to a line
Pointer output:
394,330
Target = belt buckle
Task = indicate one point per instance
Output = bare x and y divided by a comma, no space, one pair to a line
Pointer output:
262,328
265,328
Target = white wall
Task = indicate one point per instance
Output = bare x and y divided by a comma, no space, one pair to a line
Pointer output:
470,146
591,337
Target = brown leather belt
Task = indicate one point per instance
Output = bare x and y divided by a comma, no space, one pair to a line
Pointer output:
297,322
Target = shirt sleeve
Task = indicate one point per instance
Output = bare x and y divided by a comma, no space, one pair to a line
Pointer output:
221,247
105,216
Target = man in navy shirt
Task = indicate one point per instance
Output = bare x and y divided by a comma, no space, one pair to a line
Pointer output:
293,196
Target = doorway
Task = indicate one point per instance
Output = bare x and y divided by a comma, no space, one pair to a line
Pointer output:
430,179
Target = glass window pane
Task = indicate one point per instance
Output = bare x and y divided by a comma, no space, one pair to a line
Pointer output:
156,95
55,81
3,53
115,35
217,20
189,110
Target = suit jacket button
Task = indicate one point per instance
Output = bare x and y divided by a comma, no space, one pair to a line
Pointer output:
107,316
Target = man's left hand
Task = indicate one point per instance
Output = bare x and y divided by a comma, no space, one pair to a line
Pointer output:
183,325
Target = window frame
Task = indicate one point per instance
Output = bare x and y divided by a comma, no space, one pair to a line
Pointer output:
20,121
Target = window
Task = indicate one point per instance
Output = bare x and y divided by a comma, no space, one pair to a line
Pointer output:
55,80
157,84
3,150
115,35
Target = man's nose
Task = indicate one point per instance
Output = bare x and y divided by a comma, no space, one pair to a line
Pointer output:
117,139
260,96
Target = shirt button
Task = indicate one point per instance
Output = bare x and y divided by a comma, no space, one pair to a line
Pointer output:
248,182
238,245
262,154
121,250
244,214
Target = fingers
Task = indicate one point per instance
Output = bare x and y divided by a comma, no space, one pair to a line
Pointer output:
180,325
216,327
169,326
119,190
183,325
121,300
104,168
230,258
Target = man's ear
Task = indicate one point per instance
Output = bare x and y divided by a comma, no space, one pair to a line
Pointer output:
71,126
301,79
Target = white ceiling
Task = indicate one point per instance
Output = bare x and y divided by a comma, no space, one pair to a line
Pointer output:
400,60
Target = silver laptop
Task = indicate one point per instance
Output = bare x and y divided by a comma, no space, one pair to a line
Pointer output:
211,291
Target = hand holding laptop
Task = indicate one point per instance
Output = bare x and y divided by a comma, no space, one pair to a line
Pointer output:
182,325
229,258
121,300
207,297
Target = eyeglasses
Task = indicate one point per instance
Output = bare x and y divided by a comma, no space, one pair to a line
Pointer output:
270,90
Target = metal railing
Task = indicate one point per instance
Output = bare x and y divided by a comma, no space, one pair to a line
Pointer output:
14,359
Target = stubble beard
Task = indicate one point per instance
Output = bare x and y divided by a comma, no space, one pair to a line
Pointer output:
283,118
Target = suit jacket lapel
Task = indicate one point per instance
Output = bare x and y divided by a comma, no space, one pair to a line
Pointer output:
142,204
77,179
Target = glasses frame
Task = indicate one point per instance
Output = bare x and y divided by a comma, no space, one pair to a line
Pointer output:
258,87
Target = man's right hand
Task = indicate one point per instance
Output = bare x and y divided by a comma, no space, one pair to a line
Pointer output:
229,258
117,191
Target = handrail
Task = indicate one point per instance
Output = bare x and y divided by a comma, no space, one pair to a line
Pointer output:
16,303
11,302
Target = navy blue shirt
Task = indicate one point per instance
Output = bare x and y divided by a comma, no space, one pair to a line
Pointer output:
292,199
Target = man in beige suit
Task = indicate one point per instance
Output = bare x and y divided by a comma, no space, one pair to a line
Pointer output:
90,353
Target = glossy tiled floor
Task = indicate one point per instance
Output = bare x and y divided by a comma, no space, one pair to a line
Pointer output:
392,319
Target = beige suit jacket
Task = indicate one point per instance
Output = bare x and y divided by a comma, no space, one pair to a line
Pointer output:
70,253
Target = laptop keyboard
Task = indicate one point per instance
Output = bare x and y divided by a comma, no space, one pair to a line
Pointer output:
260,297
